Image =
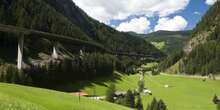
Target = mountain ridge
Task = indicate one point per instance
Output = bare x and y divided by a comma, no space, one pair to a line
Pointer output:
166,41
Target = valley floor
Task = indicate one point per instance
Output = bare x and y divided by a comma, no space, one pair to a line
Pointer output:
190,76
183,93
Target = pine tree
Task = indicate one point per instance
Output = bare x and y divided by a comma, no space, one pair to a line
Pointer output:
161,105
139,104
157,105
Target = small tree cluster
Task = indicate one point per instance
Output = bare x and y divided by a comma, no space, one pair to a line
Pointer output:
157,105
130,99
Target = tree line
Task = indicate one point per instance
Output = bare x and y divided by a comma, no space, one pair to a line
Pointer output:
85,66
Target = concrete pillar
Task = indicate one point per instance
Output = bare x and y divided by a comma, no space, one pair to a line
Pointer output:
20,52
55,54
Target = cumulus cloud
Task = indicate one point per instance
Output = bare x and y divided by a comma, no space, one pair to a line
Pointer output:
172,24
210,2
138,25
105,11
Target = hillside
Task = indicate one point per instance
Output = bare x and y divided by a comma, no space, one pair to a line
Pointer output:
15,97
168,41
75,62
201,55
109,37
65,18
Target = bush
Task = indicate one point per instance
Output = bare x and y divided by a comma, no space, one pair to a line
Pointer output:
130,99
110,93
139,104
215,99
157,105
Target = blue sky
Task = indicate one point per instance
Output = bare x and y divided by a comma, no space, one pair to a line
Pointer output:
194,12
145,16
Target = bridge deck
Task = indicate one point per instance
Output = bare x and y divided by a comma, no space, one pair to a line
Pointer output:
51,36
63,39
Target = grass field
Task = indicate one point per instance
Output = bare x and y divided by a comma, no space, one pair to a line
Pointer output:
14,97
183,94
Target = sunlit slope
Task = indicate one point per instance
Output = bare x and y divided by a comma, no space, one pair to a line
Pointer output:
14,97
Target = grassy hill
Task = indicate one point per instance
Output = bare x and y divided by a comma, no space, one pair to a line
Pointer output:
168,41
184,92
15,97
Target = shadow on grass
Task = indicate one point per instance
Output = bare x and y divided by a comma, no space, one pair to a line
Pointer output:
79,85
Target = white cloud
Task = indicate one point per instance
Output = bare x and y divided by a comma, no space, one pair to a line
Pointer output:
138,25
210,2
106,10
197,13
171,24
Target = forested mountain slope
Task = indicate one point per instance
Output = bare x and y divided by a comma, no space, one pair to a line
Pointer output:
109,37
75,62
65,18
168,41
201,55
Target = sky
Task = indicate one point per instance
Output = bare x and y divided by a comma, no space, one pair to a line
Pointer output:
145,16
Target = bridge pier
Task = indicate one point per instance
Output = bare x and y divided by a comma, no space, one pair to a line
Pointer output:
20,52
55,54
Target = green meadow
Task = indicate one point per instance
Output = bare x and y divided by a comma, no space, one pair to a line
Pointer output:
183,93
15,97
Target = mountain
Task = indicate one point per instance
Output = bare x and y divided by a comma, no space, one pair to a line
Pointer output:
75,62
109,37
65,18
168,41
201,54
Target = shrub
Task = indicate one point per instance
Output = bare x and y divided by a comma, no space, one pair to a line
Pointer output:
215,99
130,99
157,105
110,93
139,104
